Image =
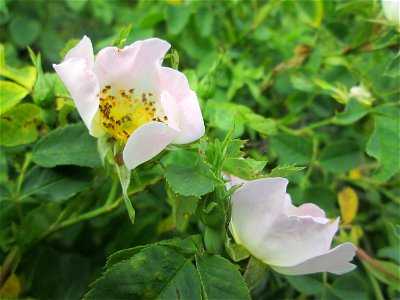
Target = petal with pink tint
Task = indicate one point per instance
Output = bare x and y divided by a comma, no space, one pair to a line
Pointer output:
83,49
133,66
190,121
146,142
335,261
171,109
255,205
291,240
307,209
83,86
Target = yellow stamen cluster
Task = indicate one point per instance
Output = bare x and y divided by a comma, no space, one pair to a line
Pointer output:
121,113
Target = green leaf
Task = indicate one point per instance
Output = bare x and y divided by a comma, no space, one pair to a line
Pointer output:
122,255
353,112
384,143
255,271
18,125
284,171
292,149
156,272
313,11
182,208
10,94
124,176
349,286
340,156
261,124
236,252
70,145
306,284
204,21
24,30
191,181
220,279
75,5
56,184
177,17
393,69
392,279
247,168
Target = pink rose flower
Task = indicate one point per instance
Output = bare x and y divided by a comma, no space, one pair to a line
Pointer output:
291,240
127,94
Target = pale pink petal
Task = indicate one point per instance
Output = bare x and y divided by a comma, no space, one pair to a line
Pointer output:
83,49
255,205
291,240
115,66
307,209
190,121
83,86
171,109
146,142
335,261
134,66
174,82
233,180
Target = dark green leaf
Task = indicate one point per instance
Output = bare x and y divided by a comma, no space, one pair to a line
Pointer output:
56,184
306,284
340,156
292,149
220,279
24,30
384,143
71,145
156,272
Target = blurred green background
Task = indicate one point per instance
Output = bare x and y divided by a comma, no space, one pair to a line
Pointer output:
281,72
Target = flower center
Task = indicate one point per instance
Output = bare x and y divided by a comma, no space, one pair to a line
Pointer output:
122,112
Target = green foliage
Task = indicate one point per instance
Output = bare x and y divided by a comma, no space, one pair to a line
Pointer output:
19,125
220,279
275,82
70,145
155,272
191,181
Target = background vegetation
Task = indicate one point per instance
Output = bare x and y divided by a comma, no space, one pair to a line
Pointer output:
281,71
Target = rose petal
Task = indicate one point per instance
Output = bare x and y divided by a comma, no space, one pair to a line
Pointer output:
307,209
134,66
190,120
170,108
146,142
335,261
83,49
291,240
83,86
255,205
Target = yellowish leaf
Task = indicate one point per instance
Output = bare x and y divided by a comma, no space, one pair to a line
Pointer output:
355,174
11,288
348,203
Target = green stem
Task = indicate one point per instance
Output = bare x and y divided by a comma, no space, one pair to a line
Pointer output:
317,125
375,285
10,264
83,217
113,192
27,162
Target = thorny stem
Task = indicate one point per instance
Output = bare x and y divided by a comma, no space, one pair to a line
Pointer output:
27,162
